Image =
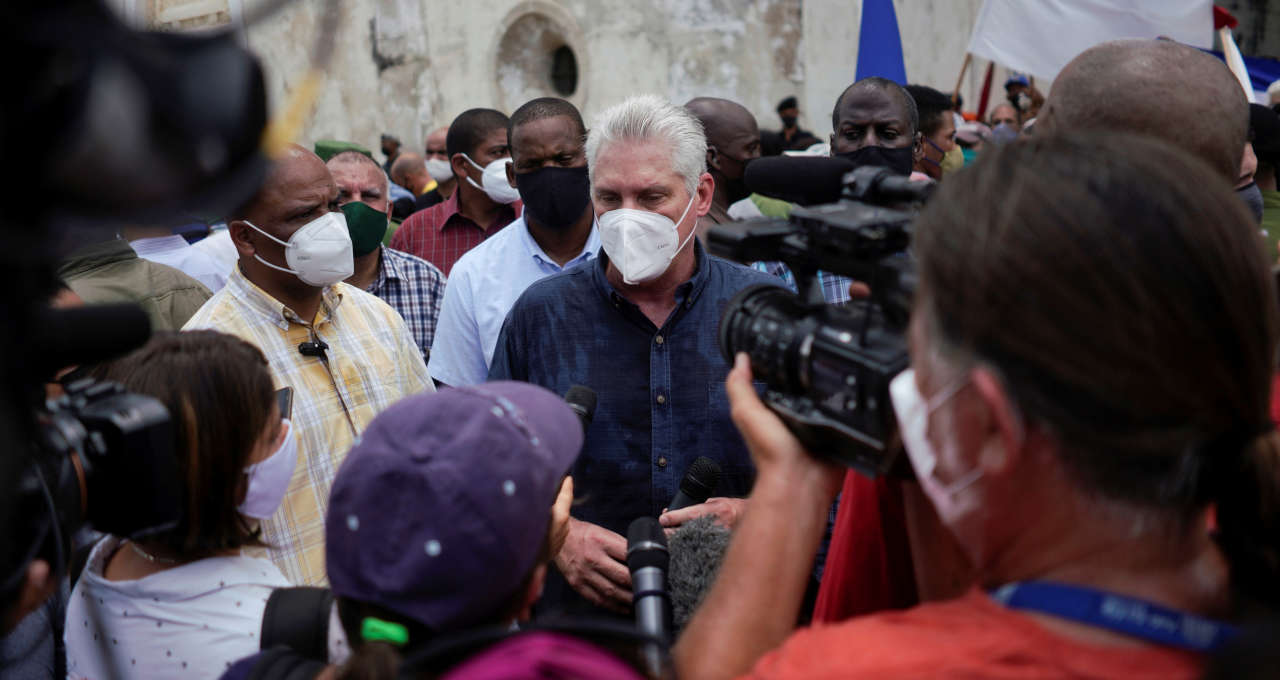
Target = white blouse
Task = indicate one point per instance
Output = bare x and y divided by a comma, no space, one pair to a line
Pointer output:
191,621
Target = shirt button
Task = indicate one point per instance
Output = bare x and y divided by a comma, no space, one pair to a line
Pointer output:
662,462
658,340
662,399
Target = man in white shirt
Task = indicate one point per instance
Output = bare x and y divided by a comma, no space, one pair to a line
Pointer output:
549,168
161,245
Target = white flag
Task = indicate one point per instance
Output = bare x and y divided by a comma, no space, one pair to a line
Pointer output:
1040,36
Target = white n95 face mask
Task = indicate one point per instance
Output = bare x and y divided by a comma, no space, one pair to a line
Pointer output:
642,244
439,169
494,180
319,253
269,478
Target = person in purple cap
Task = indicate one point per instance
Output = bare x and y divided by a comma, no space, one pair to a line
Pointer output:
436,530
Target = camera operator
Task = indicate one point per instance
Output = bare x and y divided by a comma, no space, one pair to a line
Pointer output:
435,530
1087,412
185,602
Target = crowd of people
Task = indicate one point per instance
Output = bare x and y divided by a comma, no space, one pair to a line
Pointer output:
365,367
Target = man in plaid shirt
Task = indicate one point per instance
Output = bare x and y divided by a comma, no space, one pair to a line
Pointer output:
442,233
412,286
346,354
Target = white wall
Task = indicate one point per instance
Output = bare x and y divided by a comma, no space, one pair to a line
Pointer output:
409,66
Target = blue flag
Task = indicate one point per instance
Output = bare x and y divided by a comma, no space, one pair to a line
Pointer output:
879,44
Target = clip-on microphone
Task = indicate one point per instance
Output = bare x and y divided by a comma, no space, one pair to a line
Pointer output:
315,348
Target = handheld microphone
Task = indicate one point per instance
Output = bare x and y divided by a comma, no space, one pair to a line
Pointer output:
582,400
315,348
698,484
804,180
647,558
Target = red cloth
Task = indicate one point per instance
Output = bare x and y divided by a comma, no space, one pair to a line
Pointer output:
869,566
440,234
968,637
1275,399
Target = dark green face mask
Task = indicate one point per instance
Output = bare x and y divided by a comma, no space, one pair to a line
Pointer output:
367,227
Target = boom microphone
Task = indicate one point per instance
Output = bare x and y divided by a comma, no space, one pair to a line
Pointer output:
805,180
86,335
582,400
698,484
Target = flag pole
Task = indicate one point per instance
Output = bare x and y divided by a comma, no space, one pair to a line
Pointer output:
955,94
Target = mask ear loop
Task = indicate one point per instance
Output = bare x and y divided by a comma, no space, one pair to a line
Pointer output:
692,231
259,257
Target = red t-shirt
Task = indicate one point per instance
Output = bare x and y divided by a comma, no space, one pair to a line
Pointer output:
969,637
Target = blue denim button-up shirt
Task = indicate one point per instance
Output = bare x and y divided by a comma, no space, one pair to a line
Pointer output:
661,397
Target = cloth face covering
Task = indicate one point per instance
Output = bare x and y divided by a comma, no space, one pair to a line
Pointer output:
898,160
269,478
366,225
555,197
494,181
318,253
439,169
642,244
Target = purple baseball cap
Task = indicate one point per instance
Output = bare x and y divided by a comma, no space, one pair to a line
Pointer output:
439,511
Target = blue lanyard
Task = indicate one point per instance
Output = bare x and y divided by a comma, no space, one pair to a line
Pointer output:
1131,616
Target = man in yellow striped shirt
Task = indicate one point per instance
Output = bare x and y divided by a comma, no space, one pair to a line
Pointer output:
346,354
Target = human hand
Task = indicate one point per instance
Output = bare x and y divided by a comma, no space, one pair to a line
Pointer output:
727,512
859,290
559,530
593,561
778,455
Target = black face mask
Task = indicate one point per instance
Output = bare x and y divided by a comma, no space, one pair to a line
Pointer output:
898,160
735,188
555,197
788,121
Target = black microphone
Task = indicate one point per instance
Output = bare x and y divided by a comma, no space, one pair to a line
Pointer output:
647,559
804,180
315,348
582,400
698,484
86,335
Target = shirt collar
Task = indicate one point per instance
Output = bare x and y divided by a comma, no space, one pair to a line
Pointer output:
448,208
531,247
274,311
159,245
686,293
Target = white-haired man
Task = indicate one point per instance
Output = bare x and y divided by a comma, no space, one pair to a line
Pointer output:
637,326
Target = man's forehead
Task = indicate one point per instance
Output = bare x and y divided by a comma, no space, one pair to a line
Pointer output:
630,165
356,173
552,131
868,103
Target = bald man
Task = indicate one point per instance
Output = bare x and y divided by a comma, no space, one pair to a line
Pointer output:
1158,88
410,171
733,140
346,354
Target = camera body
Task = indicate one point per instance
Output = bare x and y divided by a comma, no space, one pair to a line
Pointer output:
826,367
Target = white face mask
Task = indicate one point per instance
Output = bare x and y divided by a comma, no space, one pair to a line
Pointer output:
319,253
269,478
439,169
495,181
642,244
913,424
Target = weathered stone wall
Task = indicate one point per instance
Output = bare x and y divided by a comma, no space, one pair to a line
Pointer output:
408,66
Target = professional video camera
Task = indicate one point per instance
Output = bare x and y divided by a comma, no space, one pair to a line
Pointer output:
827,367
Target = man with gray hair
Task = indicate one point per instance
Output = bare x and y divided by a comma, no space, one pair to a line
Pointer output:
411,285
637,325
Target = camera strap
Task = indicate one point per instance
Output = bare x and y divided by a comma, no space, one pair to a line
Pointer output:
1119,613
